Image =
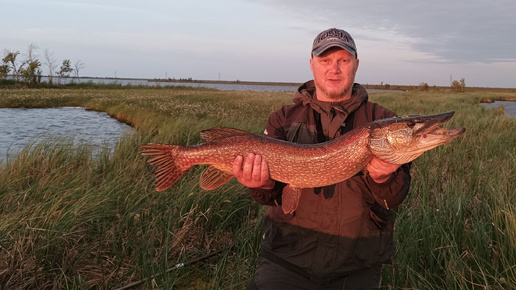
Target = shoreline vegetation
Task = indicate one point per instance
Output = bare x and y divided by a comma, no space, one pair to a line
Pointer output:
68,220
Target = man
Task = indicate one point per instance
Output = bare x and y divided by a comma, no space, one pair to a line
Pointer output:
340,235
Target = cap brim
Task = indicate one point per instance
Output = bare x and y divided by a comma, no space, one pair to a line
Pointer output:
318,51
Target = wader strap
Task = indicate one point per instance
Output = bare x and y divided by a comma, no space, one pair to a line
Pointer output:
287,265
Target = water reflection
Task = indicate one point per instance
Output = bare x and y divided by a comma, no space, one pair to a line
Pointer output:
21,126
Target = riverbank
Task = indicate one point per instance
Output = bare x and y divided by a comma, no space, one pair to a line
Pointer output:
70,221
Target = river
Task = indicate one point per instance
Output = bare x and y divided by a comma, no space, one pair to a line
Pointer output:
509,107
19,127
215,85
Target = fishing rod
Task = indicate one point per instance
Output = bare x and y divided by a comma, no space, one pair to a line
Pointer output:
176,266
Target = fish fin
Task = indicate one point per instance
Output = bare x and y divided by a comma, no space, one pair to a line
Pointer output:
216,133
290,199
214,178
168,170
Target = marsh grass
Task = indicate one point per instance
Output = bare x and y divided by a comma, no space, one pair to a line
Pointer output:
72,221
456,229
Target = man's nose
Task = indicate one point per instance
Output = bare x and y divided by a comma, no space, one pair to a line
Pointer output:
335,67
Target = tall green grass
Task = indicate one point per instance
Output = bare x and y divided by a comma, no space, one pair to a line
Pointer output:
456,230
71,221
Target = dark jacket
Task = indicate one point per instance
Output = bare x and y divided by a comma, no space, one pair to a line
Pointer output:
338,229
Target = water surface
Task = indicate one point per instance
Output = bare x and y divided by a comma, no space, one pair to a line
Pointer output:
510,107
19,127
149,82
215,85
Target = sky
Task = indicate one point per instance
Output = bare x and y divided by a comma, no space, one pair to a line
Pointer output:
399,42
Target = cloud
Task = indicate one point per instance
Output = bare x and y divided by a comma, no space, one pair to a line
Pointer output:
399,41
457,31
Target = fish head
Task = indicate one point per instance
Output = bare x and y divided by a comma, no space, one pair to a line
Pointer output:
400,140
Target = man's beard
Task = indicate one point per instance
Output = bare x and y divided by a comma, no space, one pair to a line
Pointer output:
335,95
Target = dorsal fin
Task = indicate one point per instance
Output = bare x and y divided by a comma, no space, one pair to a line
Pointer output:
217,133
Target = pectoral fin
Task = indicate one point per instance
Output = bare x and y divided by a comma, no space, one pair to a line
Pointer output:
214,178
290,199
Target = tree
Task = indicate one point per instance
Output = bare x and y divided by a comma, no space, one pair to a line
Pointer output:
459,86
50,62
4,71
423,87
10,61
31,73
65,69
77,67
29,70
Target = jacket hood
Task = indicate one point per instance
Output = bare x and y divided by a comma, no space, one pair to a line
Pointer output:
333,114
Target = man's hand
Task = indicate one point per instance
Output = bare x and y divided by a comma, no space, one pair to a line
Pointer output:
254,173
381,171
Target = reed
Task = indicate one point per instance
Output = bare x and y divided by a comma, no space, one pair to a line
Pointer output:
70,220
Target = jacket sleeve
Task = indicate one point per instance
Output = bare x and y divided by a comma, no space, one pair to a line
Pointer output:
275,130
391,193
268,196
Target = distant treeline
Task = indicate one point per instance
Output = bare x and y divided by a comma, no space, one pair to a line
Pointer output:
29,68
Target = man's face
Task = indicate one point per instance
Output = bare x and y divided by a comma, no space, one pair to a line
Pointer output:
334,74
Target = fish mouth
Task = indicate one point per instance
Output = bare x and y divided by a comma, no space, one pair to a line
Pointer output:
429,126
445,132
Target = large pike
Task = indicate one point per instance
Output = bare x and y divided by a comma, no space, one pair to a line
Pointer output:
394,140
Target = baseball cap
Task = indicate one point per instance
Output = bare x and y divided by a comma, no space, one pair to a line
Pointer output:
333,37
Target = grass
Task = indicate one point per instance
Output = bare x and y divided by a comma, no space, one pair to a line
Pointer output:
71,221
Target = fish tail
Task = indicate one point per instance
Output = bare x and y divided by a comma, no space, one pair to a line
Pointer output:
169,166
